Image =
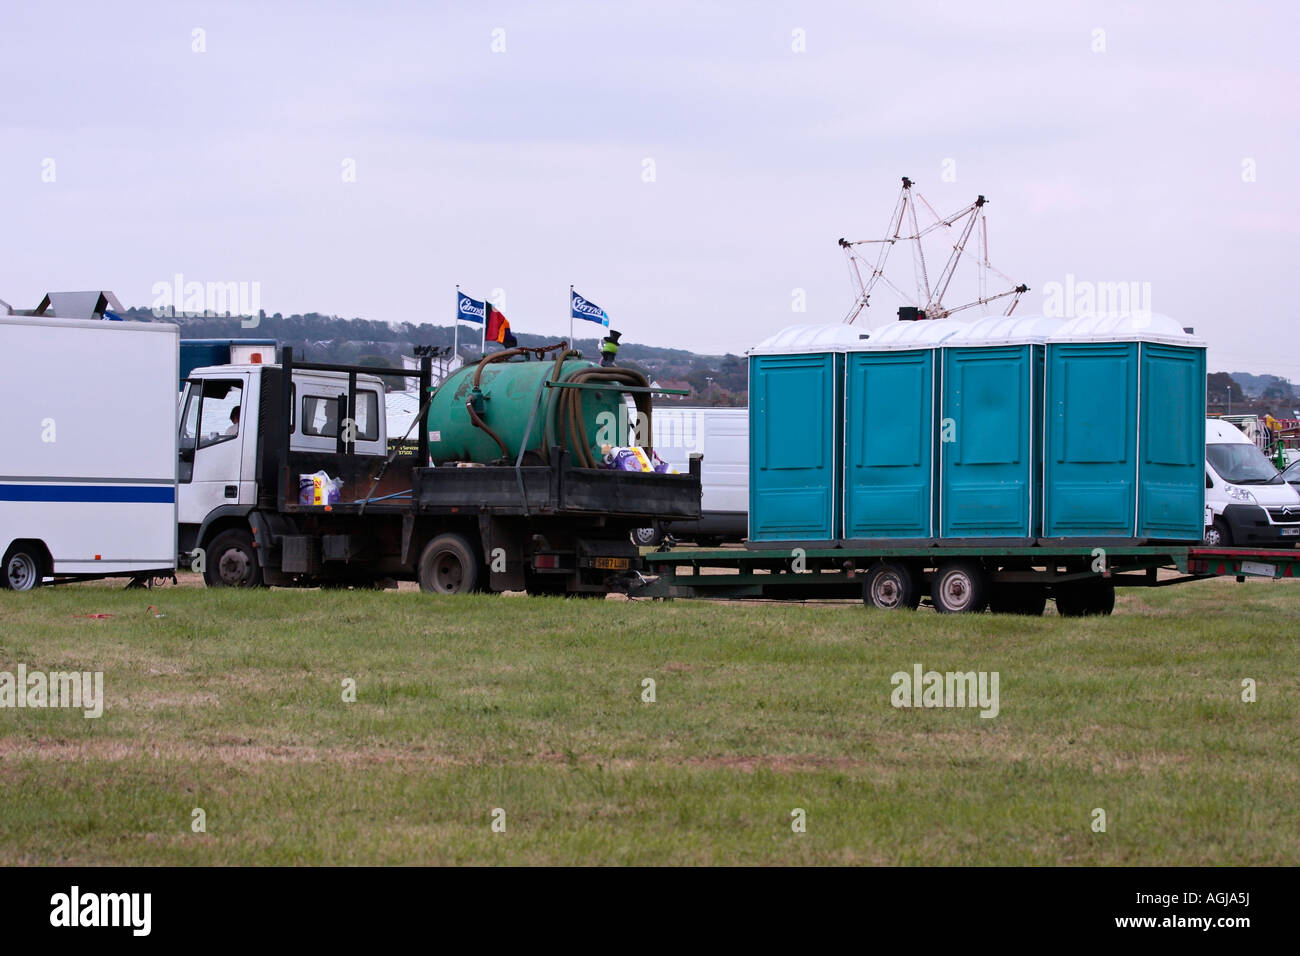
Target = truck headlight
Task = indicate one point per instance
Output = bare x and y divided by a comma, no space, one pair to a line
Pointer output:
1239,494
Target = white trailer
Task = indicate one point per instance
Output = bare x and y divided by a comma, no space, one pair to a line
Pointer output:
88,448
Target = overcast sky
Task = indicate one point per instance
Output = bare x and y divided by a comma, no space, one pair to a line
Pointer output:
1150,143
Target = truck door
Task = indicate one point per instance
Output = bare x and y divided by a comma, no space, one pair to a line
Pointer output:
212,445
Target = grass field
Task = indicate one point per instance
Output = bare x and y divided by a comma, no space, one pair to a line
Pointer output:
232,702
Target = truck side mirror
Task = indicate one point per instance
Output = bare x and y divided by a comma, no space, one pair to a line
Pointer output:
187,453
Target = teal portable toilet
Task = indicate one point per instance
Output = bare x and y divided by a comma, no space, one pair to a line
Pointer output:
990,445
795,433
1124,449
890,433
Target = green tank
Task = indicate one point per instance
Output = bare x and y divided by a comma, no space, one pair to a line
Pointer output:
503,401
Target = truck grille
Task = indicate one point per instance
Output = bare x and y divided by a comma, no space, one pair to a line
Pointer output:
1289,514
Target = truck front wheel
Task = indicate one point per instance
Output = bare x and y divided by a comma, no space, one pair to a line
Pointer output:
231,562
449,565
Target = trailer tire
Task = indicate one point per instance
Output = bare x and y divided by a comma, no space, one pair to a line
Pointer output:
891,586
1029,600
23,569
231,561
959,587
1085,599
449,564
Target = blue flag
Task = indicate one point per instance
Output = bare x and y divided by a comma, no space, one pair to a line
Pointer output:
582,309
470,310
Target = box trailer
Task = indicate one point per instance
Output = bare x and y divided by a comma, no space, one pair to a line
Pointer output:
87,449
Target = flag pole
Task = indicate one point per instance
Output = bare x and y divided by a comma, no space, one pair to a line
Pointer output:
572,344
483,346
455,334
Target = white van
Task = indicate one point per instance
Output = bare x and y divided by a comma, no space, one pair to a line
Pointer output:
1247,502
721,435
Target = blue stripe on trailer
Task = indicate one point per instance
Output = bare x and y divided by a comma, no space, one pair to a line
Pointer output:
97,494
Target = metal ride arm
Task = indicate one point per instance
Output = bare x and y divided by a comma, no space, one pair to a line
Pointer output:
929,298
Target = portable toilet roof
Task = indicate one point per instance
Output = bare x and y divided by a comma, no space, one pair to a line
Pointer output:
1126,327
799,339
918,334
1006,330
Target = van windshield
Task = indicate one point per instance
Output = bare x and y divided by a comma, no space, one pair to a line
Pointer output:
1242,464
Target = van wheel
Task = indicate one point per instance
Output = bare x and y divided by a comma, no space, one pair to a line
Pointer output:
22,568
231,562
958,587
1218,535
449,565
891,586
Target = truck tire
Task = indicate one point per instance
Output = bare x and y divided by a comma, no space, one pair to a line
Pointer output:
449,564
959,587
23,567
1085,599
1218,535
891,586
1029,600
231,562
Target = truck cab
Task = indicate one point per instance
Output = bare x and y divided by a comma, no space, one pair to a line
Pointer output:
222,423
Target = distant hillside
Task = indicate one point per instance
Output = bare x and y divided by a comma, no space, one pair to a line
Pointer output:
712,379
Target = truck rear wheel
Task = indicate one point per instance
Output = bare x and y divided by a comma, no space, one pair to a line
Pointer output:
891,586
959,587
231,562
22,568
449,564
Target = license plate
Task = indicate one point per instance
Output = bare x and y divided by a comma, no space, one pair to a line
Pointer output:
1257,567
611,564
1290,531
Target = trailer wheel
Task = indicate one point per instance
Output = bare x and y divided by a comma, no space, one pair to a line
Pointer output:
958,587
891,586
1085,599
232,562
449,565
22,568
1027,599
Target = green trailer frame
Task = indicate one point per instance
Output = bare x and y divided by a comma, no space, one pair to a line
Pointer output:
1082,578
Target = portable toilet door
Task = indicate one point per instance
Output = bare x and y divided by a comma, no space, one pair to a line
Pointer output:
890,433
795,393
1099,418
1171,435
989,439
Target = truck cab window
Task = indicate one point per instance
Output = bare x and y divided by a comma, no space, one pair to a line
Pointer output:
320,416
219,413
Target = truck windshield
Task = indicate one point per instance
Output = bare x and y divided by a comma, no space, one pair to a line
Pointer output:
1242,464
